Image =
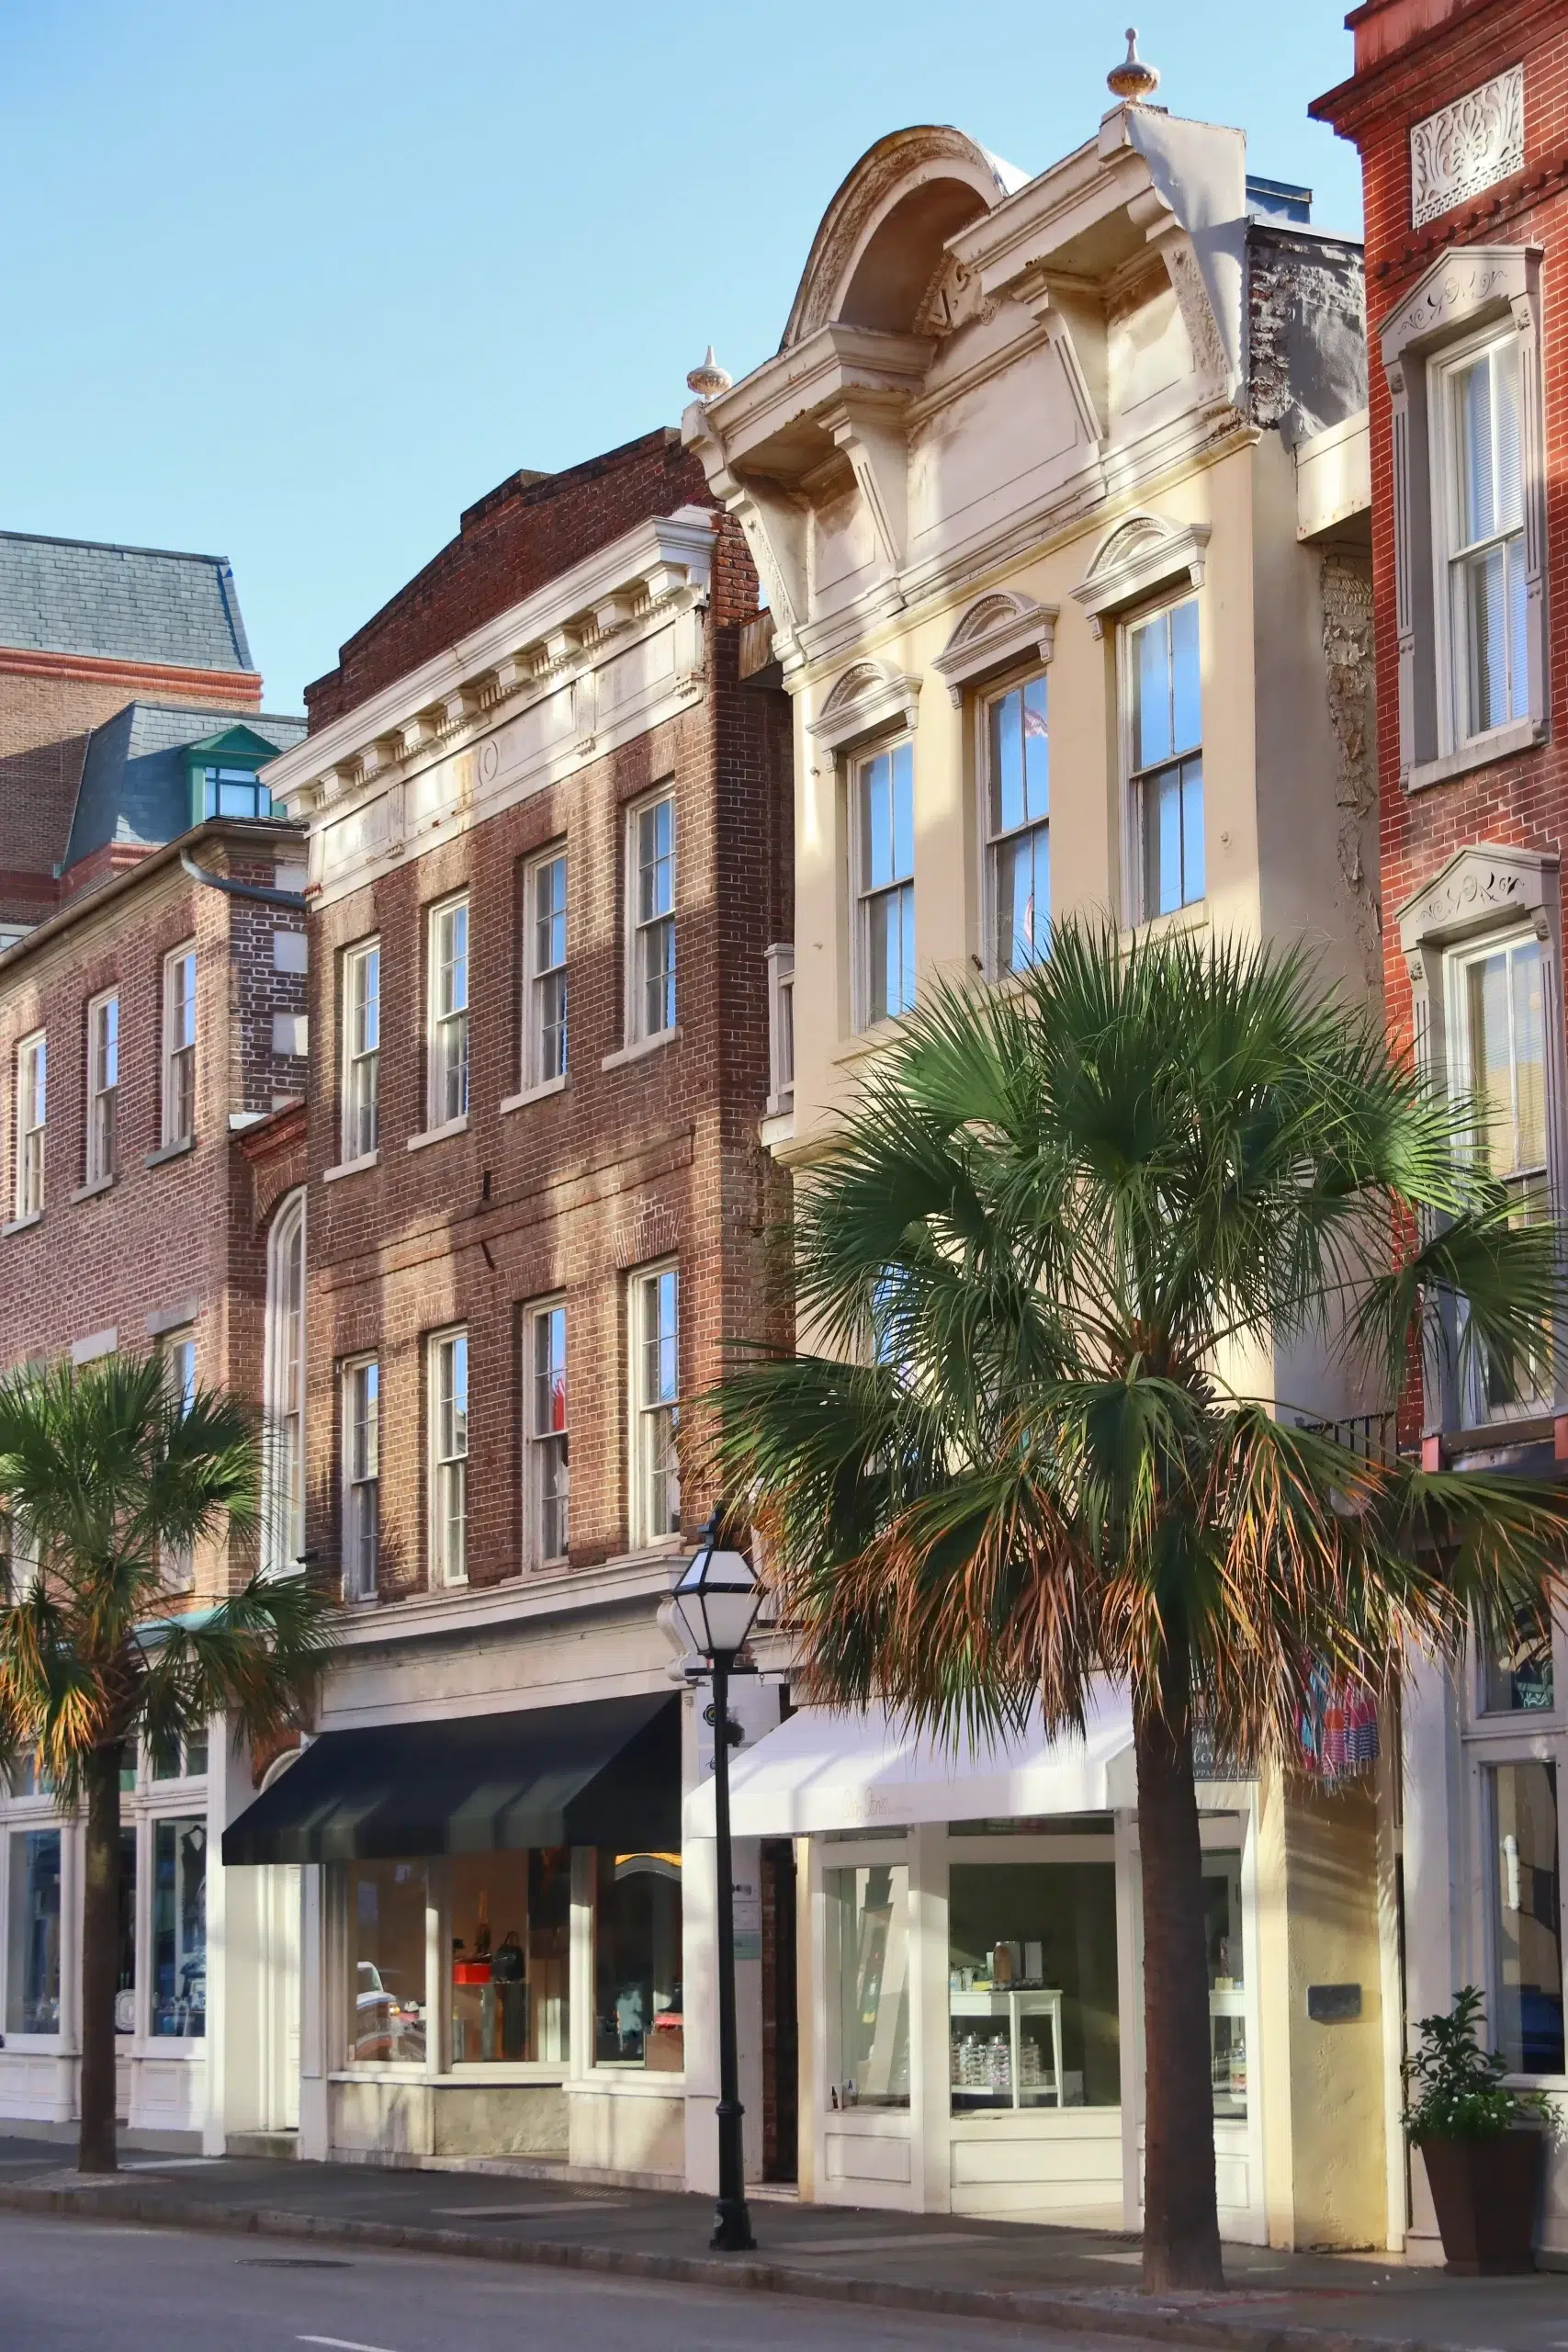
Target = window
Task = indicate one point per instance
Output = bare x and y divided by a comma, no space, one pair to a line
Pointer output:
282,1500
179,1372
179,1929
652,894
1018,831
387,2001
1517,1676
125,1973
544,1052
103,1087
361,1050
548,1475
868,1961
1480,572
882,853
32,1088
449,1457
235,792
448,1013
179,1046
361,1477
1034,2016
656,1385
781,1028
637,2019
173,1762
1227,1982
32,1973
511,1929
1165,729
1497,1018
1527,1922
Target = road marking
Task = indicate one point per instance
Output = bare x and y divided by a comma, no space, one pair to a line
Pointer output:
523,2213
340,2343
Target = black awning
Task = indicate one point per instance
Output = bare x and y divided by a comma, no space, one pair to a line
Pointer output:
605,1773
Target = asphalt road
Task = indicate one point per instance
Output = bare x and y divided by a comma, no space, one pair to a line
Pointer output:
95,2287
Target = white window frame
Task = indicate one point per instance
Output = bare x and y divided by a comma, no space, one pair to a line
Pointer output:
992,840
547,1477
361,1381
863,893
100,1144
178,1349
284,1390
545,1063
654,1418
30,1096
781,1028
361,1051
448,1454
178,1056
446,1057
1454,731
1134,778
643,931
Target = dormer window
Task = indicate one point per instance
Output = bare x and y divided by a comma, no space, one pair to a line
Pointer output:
235,792
224,775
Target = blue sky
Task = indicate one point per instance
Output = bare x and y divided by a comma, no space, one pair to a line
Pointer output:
296,280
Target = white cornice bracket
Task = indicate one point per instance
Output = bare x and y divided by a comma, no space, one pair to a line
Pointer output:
868,427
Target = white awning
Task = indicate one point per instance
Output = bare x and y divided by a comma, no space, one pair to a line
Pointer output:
822,1770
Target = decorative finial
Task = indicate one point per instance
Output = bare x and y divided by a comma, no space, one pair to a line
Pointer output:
709,381
1133,80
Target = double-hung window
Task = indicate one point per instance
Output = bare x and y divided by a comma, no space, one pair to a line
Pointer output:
544,950
179,1046
1165,727
32,1089
656,1387
361,1477
1479,519
882,855
1497,1020
448,1416
1018,829
547,1475
103,1086
179,1374
361,1050
448,1013
284,1367
651,909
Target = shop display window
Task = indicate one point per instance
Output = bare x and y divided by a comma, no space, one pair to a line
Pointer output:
1227,1983
1527,1917
637,1962
389,2002
179,1929
1517,1673
511,1944
125,1975
868,1911
1033,1998
32,1975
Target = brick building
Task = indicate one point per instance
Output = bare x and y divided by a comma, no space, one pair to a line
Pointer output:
550,847
1460,115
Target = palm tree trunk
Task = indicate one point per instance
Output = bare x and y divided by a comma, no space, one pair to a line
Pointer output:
1181,2229
100,1961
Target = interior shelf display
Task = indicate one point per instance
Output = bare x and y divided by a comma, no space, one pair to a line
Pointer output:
1005,2044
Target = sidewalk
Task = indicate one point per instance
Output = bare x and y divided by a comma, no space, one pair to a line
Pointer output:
1078,2279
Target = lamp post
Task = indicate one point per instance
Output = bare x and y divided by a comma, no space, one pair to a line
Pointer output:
716,1598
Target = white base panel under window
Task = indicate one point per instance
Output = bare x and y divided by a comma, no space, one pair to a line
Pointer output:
1065,2170
868,2160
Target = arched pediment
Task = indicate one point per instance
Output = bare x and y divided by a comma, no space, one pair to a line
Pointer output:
998,630
1137,555
868,696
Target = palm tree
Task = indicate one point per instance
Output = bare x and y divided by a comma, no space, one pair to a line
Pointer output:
1055,1228
106,1476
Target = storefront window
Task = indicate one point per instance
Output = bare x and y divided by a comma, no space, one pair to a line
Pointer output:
1516,1675
1032,2005
125,1978
179,1929
1228,1980
386,1926
511,1939
1526,1925
32,1975
637,1962
868,1959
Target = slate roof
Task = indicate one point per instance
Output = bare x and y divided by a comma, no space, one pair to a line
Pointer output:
119,604
135,786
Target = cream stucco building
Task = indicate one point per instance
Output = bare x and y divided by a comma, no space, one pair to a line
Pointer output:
1058,488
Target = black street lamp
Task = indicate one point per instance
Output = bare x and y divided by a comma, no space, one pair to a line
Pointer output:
717,1598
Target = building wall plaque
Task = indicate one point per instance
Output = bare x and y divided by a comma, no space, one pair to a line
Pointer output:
1467,146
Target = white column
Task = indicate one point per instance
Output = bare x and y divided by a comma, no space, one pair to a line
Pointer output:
699,1992
317,1947
1437,1877
930,2156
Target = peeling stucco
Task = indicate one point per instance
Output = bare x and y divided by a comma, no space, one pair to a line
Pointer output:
1346,592
1306,304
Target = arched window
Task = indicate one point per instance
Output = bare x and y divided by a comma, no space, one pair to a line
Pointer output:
283,1380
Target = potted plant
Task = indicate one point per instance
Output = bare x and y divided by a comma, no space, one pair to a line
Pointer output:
1482,2144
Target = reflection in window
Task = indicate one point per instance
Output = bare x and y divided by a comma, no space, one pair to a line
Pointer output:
386,1931
653,920
656,1388
637,1962
511,1931
125,1972
885,882
1502,1040
1527,1927
1487,595
1517,1673
32,1973
868,1913
1033,2011
235,792
1018,808
179,1929
1227,1982
1167,760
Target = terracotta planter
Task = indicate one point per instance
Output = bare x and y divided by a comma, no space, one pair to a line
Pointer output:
1486,2193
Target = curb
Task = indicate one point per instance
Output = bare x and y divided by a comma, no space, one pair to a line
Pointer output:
1068,2312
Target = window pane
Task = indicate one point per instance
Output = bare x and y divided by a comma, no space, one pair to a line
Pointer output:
1472,397
904,808
1192,877
1517,1674
1526,2018
1227,1982
1186,683
549,915
32,1975
876,805
1033,2014
549,1370
869,1956
1484,600
1024,898
1530,1058
656,860
386,1930
1151,692
510,1917
125,1972
1006,764
1036,753
637,1962
179,1929
1162,843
